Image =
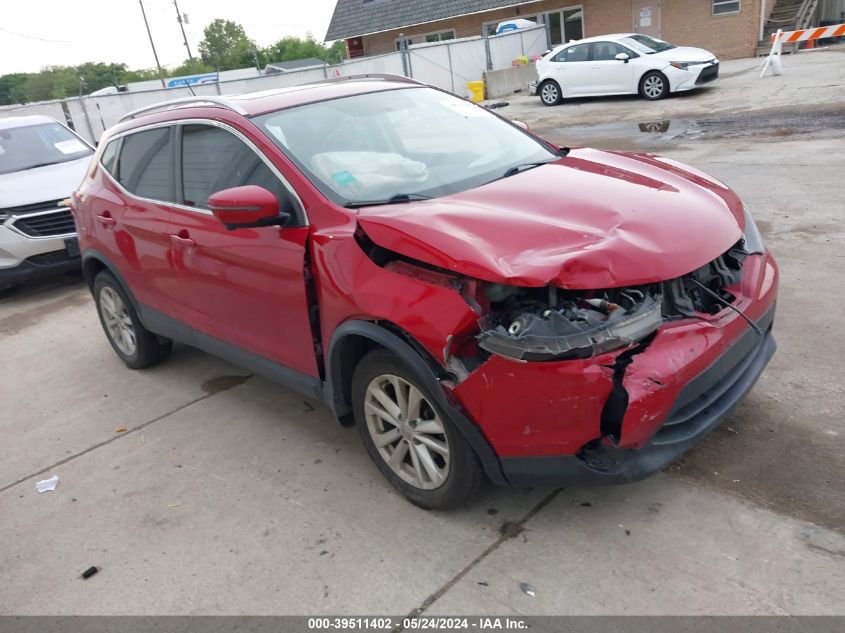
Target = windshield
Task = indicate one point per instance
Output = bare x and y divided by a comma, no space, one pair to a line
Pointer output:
399,144
646,44
37,145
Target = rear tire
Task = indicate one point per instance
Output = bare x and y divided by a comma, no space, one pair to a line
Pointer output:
136,346
550,93
412,442
654,85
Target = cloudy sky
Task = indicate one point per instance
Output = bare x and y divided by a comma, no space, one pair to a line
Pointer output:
38,33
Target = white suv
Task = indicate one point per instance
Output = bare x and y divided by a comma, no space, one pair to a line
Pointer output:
41,164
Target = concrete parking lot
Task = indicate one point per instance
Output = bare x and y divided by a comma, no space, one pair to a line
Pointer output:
226,494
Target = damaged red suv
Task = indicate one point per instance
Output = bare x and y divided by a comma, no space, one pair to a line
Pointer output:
479,302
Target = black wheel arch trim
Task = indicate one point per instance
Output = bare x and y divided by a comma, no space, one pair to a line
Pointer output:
335,398
93,254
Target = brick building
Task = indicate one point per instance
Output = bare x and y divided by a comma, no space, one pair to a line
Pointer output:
729,28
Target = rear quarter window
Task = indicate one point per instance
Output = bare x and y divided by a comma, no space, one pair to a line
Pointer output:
145,164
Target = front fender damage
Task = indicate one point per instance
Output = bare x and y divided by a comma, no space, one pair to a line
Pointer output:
544,371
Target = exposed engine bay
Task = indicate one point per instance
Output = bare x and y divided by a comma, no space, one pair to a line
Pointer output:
537,324
550,323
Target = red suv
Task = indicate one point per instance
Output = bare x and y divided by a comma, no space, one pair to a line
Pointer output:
478,301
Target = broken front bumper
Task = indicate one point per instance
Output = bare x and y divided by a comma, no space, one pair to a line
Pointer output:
701,405
621,416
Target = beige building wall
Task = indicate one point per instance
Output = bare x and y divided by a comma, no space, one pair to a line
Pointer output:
687,22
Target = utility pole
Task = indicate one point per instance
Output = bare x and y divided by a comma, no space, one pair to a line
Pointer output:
182,21
149,33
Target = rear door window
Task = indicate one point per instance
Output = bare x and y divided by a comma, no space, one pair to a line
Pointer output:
577,53
145,165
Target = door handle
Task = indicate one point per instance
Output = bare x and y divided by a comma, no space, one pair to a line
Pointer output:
106,220
185,242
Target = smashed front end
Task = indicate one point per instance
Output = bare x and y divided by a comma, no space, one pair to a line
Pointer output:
584,386
612,385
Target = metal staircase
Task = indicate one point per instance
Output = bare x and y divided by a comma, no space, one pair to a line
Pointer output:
788,15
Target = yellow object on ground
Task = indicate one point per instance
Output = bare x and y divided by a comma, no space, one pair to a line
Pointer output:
476,91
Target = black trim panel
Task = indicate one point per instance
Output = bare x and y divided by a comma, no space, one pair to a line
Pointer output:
165,325
366,329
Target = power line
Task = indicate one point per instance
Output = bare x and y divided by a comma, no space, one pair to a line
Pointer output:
34,37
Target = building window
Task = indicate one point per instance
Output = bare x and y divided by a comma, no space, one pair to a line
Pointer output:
441,36
721,7
428,38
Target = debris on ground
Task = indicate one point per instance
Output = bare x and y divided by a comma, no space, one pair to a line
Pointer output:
46,485
120,429
89,572
586,504
498,104
528,589
483,583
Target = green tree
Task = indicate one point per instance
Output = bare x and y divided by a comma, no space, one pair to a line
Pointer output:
291,48
12,88
53,82
225,46
188,67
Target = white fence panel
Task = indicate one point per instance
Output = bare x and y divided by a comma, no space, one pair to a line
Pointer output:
507,47
447,65
390,64
432,64
48,108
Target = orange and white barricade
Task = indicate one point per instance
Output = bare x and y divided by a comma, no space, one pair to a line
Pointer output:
793,37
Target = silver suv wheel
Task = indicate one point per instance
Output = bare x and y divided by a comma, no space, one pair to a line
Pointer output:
407,432
118,323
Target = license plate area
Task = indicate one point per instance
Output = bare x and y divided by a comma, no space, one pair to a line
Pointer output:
72,247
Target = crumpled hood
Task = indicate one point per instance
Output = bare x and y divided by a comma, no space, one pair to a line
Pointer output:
50,182
685,54
591,220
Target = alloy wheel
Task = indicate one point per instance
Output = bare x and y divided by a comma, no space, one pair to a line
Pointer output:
407,432
549,93
653,86
118,323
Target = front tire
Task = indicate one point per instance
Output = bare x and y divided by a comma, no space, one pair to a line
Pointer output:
550,93
414,445
136,346
654,85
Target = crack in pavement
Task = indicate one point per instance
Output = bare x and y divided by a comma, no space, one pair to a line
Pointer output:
508,530
134,429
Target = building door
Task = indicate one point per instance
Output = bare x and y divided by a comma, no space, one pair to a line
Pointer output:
647,17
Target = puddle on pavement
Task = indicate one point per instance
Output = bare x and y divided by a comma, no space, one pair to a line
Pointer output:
657,134
223,383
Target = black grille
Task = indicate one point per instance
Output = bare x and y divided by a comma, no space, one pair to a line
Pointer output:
708,74
31,208
48,224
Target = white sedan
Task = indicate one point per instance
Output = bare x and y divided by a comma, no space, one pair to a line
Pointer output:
626,63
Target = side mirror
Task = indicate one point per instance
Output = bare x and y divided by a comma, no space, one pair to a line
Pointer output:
521,124
622,57
249,206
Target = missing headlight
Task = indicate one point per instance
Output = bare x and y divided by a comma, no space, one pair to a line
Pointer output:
545,324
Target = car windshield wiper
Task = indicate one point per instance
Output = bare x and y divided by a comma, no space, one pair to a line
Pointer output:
512,171
395,199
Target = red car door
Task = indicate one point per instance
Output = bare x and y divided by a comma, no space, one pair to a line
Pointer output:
131,211
245,287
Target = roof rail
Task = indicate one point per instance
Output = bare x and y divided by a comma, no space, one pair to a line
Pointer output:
382,76
182,102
